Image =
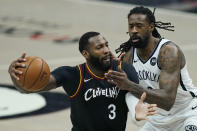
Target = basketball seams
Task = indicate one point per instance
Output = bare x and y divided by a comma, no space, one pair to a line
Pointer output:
36,74
27,70
41,70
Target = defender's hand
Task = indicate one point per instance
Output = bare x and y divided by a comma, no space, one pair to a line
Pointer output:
143,110
119,58
118,78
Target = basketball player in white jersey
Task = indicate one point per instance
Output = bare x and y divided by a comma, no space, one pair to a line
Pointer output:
162,72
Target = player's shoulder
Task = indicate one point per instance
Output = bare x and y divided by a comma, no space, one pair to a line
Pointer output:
77,69
169,46
171,51
67,68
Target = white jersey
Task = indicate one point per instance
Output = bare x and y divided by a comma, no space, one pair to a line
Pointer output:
149,72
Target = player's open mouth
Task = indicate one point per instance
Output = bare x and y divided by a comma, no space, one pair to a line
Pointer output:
107,58
135,40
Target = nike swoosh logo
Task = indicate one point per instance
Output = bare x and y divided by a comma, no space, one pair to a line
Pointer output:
194,107
86,80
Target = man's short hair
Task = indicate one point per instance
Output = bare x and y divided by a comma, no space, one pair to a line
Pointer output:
83,41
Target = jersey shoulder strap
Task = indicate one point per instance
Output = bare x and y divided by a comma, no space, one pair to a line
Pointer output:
81,72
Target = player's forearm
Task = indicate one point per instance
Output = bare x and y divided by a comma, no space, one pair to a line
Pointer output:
51,84
156,96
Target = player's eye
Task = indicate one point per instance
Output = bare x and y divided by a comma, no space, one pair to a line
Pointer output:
131,26
99,47
139,25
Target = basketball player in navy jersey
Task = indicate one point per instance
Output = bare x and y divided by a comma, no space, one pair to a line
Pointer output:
96,105
162,72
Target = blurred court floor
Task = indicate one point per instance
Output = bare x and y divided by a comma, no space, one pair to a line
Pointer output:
51,29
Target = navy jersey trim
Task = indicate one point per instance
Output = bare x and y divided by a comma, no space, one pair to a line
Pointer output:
133,51
184,88
92,74
119,63
80,82
151,53
26,74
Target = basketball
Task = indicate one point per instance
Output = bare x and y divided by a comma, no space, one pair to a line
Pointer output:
35,75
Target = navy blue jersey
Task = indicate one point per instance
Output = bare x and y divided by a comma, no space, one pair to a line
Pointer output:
96,105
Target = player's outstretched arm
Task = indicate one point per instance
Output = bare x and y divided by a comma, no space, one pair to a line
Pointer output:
51,84
138,109
143,110
170,60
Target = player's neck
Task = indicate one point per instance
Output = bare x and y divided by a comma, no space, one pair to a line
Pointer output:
144,53
98,72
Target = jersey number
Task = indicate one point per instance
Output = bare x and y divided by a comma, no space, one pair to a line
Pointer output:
112,113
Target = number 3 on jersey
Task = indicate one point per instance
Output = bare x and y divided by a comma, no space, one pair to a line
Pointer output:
112,111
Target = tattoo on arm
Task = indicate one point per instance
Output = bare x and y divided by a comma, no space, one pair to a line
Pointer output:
170,60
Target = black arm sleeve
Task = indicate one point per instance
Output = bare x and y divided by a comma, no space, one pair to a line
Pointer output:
68,77
131,72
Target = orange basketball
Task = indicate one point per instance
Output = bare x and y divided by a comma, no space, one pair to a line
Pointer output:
35,76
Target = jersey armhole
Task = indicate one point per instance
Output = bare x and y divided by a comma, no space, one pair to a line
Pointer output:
80,83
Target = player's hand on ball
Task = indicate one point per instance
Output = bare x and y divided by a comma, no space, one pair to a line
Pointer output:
14,73
143,110
29,74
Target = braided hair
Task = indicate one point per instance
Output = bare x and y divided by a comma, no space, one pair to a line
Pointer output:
124,47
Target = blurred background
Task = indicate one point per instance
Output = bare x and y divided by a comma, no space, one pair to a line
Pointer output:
181,5
51,29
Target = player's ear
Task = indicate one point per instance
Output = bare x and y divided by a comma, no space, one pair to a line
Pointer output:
152,26
85,54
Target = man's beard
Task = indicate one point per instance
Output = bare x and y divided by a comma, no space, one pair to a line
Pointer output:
142,43
99,63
